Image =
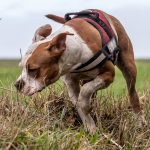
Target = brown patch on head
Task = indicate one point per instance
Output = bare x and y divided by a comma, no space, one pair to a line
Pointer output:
43,63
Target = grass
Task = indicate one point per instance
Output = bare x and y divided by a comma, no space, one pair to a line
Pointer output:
48,120
10,71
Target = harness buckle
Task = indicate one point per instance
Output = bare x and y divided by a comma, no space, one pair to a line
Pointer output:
116,53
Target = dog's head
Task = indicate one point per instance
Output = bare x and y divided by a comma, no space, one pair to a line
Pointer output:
40,65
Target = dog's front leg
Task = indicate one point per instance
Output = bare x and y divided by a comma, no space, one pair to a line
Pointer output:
85,95
83,104
73,91
73,87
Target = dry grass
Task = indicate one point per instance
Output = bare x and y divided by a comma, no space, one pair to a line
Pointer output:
48,121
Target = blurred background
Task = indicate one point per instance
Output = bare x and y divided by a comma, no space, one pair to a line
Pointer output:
20,18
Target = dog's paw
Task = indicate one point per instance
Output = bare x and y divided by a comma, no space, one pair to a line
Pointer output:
90,126
91,130
141,121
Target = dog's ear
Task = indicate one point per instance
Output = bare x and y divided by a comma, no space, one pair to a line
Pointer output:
60,40
58,43
41,33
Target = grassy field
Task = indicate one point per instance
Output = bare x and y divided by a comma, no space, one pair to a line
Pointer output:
9,72
49,121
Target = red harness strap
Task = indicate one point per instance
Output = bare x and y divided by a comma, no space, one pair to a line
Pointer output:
110,48
105,36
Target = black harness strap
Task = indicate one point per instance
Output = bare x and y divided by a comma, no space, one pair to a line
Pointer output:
108,52
92,16
101,56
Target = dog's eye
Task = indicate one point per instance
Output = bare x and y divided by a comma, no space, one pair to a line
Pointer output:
32,72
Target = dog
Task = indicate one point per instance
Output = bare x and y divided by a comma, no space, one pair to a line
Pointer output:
56,56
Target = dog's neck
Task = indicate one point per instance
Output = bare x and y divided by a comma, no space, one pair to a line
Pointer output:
77,51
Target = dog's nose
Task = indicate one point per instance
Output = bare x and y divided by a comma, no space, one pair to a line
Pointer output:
19,85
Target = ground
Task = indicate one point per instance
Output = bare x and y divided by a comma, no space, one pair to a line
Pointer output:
49,121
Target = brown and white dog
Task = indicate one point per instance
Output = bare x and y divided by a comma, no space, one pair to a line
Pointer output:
49,58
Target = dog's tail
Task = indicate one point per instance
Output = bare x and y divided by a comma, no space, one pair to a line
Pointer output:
56,18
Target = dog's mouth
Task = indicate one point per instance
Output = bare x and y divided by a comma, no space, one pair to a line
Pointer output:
38,91
41,90
31,93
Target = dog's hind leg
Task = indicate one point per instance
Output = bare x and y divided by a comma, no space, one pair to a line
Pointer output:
127,66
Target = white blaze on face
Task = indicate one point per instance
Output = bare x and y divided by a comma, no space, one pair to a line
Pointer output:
31,85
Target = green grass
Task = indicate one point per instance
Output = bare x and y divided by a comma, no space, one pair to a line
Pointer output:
142,81
48,121
9,71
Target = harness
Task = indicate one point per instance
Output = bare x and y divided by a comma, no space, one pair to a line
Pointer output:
109,49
